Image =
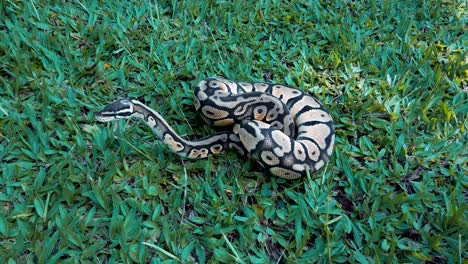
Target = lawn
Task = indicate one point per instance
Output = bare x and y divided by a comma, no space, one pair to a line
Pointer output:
392,73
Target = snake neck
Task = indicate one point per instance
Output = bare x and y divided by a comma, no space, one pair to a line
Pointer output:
158,125
190,149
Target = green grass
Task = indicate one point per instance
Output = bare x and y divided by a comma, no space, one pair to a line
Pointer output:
393,74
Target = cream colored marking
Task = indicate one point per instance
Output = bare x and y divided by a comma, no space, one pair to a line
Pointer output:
314,115
284,173
172,144
198,153
283,141
196,103
260,87
247,87
203,85
272,115
306,100
319,165
214,113
330,147
232,86
224,122
298,167
299,151
202,96
219,85
204,152
260,112
312,150
286,92
269,158
277,125
151,121
194,153
216,149
317,132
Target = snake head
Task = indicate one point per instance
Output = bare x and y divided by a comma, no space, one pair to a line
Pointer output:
121,109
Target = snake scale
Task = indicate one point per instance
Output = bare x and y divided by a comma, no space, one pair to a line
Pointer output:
285,130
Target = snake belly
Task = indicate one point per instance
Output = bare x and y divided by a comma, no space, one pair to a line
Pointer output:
285,130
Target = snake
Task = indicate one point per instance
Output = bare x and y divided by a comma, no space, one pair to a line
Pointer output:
285,130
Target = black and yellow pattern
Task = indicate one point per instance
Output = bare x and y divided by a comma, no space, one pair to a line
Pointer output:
284,129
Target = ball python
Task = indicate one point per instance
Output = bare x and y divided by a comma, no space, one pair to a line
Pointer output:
285,130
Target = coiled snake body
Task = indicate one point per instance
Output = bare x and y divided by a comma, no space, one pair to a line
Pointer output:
287,131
